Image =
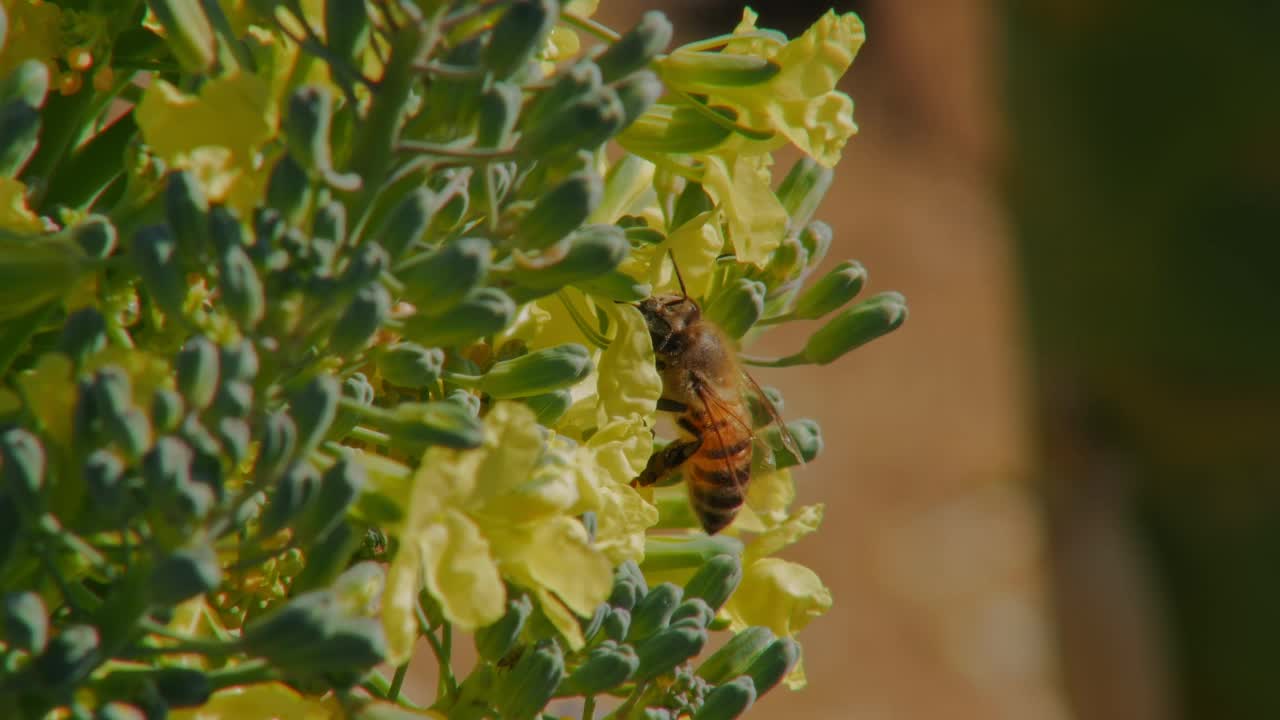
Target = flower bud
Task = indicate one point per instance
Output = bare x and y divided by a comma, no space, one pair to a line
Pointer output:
362,318
607,666
570,84
348,649
329,223
96,236
662,652
187,32
653,612
550,407
596,621
727,701
808,436
670,552
83,334
416,424
856,326
69,658
631,52
637,93
242,291
112,391
584,124
588,252
346,30
816,239
715,581
328,558
289,189
239,361
167,410
437,280
187,212
786,262
306,128
104,477
410,365
465,399
154,254
561,210
803,189
538,372
676,129
617,285
182,687
19,135
493,642
482,312
736,655
624,594
499,110
22,465
277,440
355,388
28,82
529,685
407,222
760,415
289,634
831,292
313,410
198,366
616,624
770,666
25,623
184,574
693,612
131,430
705,72
518,35
738,306
294,493
338,488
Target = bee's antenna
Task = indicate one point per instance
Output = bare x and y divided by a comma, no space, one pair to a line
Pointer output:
679,278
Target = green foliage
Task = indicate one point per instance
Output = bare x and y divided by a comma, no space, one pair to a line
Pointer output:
310,347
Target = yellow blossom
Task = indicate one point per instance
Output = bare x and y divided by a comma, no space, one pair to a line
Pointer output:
14,213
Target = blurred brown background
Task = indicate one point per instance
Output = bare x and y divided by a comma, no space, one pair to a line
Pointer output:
1055,492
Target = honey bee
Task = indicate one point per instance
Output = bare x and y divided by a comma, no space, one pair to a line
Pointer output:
704,383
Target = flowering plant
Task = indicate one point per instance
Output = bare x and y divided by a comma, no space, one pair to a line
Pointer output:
317,342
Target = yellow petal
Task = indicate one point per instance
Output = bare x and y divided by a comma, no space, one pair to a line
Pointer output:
512,446
629,383
49,393
561,617
263,700
399,602
622,517
459,571
780,595
770,494
14,213
555,554
804,522
234,111
622,447
741,186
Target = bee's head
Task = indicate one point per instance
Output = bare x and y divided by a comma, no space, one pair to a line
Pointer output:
668,316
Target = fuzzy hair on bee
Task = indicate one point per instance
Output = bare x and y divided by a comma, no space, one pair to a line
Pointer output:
703,383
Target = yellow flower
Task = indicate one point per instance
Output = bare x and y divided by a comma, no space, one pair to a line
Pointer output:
741,187
35,31
781,595
264,700
563,43
14,213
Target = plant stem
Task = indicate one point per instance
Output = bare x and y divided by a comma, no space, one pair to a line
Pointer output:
446,684
589,708
397,680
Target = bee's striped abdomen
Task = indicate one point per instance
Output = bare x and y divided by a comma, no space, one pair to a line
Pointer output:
718,473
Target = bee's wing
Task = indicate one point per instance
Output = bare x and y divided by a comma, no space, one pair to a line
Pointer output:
775,418
715,406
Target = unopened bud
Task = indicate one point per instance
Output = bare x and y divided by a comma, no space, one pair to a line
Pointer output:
407,222
278,439
617,285
856,326
367,312
816,239
561,210
607,666
538,372
570,84
338,488
69,658
550,407
187,32
738,306
22,465
636,48
584,124
155,255
529,685
715,581
773,664
25,623
808,439
662,652
803,189
670,552
653,612
289,188
832,291
313,410
493,642
96,236
436,280
416,424
358,389
184,574
83,334
518,35
198,367
242,290
482,312
586,253
736,655
637,93
705,72
410,365
727,701
187,211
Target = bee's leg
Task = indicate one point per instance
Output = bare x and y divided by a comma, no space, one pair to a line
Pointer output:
668,460
669,405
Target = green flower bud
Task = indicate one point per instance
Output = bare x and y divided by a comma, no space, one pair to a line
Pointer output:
131,430
607,666
182,687
518,35
803,189
632,572
112,390
416,424
738,306
83,334
468,401
410,365
482,312
669,552
350,648
187,32
631,52
527,688
538,372
760,415
328,558
624,594
596,621
116,710
289,634
22,465
198,367
584,124
313,409
816,239
289,189
239,361
356,388
362,318
293,495
637,93
104,477
278,439
234,399
330,223
346,30
187,211
787,262
167,410
616,624
306,127
28,82
234,436
834,290
570,84
561,210
736,655
770,666
704,72
184,574
550,407
407,222
19,136
715,581
338,488
808,437
154,254
499,110
727,701
588,252
242,291
25,623
493,642
437,280
96,236
662,652
693,612
856,326
617,285
653,612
